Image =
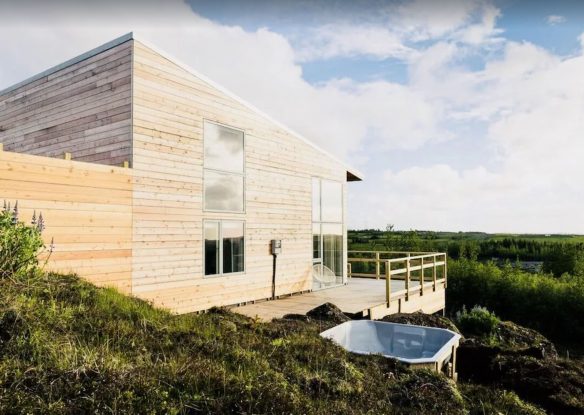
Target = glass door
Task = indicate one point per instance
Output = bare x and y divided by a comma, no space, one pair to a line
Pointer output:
327,234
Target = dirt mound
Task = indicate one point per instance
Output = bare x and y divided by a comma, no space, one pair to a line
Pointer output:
328,312
555,384
529,342
476,354
421,319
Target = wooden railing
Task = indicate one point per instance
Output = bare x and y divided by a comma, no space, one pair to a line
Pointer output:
427,268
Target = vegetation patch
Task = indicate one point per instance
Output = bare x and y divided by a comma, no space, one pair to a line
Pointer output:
544,303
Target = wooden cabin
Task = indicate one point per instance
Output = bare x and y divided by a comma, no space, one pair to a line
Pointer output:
156,180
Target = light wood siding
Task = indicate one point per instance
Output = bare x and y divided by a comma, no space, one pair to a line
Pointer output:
83,109
87,209
170,105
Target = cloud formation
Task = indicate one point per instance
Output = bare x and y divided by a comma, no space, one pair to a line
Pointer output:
554,19
520,107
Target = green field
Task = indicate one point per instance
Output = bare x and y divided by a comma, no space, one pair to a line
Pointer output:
555,254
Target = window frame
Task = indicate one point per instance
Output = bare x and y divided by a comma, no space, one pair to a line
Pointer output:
227,172
220,253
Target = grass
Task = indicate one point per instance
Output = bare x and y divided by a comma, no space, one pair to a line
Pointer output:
69,347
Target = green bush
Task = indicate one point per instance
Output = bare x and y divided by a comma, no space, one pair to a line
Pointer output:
19,243
478,321
552,306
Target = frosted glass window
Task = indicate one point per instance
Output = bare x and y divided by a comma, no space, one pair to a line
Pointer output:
224,179
315,200
223,191
223,148
332,201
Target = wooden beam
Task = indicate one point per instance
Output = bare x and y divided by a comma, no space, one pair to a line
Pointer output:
421,276
408,275
434,273
388,283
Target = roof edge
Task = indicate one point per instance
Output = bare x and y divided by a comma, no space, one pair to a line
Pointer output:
355,174
106,46
358,176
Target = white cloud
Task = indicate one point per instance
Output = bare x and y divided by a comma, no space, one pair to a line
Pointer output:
352,40
554,19
396,31
528,101
427,19
532,102
260,66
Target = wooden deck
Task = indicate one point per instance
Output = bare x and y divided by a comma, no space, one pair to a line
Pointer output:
360,295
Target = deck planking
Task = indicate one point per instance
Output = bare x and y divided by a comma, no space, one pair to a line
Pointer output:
357,296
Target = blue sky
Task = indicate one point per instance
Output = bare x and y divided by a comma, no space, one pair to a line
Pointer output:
463,114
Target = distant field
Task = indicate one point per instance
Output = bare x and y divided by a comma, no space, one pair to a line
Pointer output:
445,237
556,253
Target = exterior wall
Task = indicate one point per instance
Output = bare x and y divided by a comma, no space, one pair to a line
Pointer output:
170,105
83,109
87,209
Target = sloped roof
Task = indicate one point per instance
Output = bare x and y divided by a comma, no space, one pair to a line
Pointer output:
352,173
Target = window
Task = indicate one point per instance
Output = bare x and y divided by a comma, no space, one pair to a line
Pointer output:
327,226
224,247
331,201
224,179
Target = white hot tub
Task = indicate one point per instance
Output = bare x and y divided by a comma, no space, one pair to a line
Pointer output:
417,346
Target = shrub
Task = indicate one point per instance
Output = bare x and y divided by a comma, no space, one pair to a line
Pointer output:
550,305
19,243
478,321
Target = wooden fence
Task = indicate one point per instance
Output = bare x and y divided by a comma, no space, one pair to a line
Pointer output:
87,209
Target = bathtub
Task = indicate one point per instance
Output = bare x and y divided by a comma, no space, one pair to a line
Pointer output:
419,347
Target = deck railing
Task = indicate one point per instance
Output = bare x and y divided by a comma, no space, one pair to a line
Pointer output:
428,269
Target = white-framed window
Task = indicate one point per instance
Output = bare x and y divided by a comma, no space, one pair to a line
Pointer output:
224,247
223,168
327,224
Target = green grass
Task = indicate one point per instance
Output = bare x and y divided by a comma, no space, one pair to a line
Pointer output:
69,347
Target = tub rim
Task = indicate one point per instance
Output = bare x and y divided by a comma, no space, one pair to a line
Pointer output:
438,356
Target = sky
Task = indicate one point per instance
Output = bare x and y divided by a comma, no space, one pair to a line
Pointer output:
462,115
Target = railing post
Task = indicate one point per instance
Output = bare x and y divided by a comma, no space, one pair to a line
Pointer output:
349,270
445,271
434,273
388,282
67,156
377,266
408,277
421,276
1,147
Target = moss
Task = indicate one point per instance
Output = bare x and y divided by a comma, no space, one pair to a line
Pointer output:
426,392
481,400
